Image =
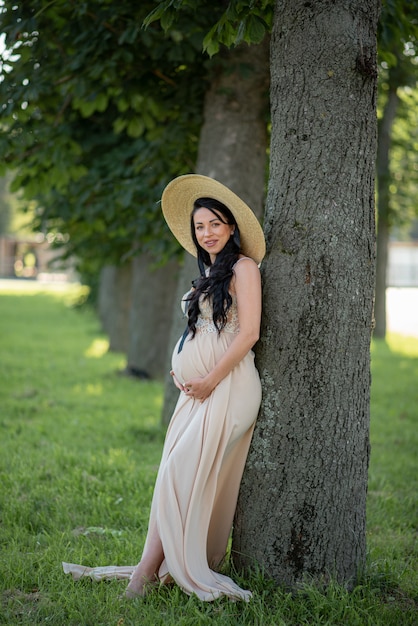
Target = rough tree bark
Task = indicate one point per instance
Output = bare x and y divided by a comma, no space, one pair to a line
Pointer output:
383,196
301,509
232,149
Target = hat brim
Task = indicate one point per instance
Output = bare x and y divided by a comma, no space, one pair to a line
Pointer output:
177,203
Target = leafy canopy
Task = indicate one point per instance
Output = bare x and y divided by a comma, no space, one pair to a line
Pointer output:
241,21
98,114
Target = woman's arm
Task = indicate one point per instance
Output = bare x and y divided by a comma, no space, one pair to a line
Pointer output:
247,286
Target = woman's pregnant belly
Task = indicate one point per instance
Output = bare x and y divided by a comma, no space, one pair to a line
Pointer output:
199,355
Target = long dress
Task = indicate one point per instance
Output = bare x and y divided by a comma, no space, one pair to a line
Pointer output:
203,459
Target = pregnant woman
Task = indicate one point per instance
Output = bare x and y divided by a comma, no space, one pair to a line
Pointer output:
210,431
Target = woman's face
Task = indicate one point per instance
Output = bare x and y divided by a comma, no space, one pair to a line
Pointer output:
211,234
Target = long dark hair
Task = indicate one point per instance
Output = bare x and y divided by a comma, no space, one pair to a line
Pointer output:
215,285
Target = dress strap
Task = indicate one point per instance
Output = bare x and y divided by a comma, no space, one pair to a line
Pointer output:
243,258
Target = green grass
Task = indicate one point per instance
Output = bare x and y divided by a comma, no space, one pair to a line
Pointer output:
79,450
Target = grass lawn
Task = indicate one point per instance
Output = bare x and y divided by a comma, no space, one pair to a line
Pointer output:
79,450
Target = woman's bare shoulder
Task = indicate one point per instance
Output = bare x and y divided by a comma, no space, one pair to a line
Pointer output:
245,271
249,263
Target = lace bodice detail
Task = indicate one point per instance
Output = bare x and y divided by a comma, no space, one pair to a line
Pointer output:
205,323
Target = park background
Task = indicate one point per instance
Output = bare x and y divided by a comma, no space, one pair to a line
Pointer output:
37,410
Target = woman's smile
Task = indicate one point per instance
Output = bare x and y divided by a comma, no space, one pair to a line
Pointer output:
212,234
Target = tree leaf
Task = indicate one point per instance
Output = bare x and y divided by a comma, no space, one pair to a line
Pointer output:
255,30
135,127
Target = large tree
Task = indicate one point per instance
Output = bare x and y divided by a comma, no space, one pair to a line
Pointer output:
302,508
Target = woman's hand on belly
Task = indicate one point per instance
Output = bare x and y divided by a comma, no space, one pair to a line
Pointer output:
198,388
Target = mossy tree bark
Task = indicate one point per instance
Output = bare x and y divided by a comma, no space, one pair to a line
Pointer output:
301,510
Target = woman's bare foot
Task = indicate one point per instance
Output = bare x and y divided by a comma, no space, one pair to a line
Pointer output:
140,584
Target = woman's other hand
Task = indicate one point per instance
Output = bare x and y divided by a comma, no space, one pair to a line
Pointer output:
176,381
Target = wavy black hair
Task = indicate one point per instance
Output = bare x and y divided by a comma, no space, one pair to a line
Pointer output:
215,284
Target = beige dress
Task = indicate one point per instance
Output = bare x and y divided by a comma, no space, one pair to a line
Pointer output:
202,463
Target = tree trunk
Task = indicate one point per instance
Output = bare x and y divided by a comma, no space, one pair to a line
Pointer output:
301,510
153,290
232,149
383,206
114,304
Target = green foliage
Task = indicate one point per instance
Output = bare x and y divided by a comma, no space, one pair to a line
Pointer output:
241,21
397,31
398,63
79,451
98,115
403,186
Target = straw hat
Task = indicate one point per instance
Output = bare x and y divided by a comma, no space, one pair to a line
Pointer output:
177,204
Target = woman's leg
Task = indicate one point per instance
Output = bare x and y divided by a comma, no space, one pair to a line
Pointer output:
146,572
